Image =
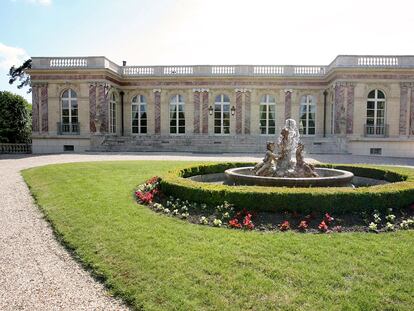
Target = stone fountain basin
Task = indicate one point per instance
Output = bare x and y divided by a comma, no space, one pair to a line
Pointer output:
328,177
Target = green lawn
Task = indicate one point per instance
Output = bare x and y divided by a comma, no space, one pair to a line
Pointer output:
157,262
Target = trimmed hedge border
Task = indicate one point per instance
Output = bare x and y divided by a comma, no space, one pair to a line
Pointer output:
399,193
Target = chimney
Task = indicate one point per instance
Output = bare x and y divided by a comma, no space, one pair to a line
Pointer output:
124,63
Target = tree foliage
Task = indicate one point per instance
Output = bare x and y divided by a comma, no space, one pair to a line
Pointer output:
20,74
15,118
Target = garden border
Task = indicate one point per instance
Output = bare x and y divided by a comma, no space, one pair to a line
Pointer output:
399,193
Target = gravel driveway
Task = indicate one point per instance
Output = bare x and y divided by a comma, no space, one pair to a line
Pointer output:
36,272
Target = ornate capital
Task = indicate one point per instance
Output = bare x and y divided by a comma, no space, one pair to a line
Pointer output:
288,91
406,84
156,90
201,90
340,83
242,90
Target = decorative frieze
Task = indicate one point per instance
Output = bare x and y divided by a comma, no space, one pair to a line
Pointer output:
288,103
157,113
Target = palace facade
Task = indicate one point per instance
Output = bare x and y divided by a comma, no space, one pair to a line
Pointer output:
357,104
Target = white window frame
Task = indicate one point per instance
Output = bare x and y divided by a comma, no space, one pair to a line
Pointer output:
221,103
112,113
307,103
139,101
376,100
70,100
267,103
177,101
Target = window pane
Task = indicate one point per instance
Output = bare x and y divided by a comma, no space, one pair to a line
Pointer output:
134,108
134,130
217,122
144,122
371,94
262,108
311,131
263,116
263,130
381,94
272,108
271,122
217,130
65,104
226,122
263,123
65,112
181,122
180,107
143,129
65,94
181,115
65,120
226,99
226,107
272,130
134,122
144,115
181,129
173,130
370,113
74,112
72,94
272,99
226,130
380,105
370,105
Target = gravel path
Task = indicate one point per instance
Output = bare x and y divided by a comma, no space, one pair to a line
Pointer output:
36,272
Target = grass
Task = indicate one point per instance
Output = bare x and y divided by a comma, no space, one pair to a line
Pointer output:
157,262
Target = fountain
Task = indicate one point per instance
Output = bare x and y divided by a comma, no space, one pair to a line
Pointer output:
282,170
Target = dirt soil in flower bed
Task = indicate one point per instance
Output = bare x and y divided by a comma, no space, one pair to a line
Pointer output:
267,221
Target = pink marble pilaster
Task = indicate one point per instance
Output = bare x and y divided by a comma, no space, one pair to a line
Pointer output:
350,108
44,109
196,100
157,112
288,104
92,107
339,107
247,112
239,108
403,108
35,108
412,111
205,112
102,108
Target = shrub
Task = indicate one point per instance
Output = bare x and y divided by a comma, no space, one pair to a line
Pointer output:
398,193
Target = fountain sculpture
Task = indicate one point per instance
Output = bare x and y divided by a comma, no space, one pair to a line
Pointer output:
282,169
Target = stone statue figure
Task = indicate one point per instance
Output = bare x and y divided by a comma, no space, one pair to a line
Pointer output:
267,166
284,166
303,169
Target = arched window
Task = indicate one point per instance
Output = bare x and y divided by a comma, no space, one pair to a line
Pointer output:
307,115
267,114
375,113
222,114
139,115
69,112
112,113
177,118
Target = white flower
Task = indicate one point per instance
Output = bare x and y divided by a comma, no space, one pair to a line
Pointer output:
373,226
175,212
217,222
404,225
389,226
203,220
377,219
226,215
166,210
185,215
390,217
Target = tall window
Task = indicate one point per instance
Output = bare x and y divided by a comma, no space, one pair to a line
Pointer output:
177,118
139,115
69,108
307,115
375,113
267,114
112,113
222,115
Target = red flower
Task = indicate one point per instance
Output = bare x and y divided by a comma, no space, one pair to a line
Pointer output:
247,222
303,225
323,227
284,226
328,219
144,197
153,180
234,223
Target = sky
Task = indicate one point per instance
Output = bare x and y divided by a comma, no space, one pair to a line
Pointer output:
204,32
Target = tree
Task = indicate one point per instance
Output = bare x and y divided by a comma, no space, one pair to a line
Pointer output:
20,74
15,118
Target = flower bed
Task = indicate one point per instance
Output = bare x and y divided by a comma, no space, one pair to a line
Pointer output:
397,194
230,216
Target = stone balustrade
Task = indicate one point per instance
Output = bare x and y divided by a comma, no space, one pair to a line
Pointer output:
341,61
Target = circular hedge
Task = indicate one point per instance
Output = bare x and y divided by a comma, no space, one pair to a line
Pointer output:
398,193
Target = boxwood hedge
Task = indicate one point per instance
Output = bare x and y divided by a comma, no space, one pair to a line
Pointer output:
398,193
